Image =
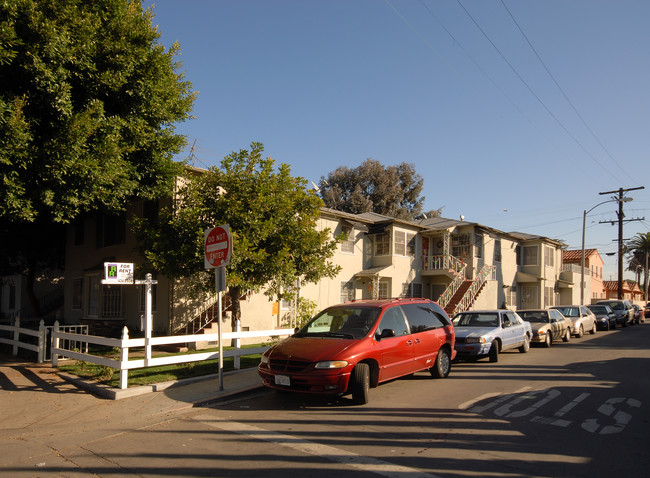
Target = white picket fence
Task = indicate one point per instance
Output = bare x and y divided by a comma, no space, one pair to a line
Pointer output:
42,342
124,344
15,331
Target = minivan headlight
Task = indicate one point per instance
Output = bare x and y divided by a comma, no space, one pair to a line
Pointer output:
331,364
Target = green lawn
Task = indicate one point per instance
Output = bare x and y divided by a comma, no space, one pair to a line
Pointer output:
151,375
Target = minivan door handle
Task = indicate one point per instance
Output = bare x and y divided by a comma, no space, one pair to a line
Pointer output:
417,341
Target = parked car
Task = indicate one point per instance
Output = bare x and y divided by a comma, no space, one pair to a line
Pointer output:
487,333
605,316
623,310
548,325
355,346
583,319
638,314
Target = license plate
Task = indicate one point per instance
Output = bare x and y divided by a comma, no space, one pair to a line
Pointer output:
283,380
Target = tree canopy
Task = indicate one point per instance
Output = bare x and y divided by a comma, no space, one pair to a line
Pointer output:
372,187
639,247
88,103
272,218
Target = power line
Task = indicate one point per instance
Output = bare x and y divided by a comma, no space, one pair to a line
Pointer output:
532,92
564,94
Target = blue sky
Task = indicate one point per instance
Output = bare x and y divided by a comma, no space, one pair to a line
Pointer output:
517,114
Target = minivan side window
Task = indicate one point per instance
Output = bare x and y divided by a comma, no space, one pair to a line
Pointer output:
393,319
423,317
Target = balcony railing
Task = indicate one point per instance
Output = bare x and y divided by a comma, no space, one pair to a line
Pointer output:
575,268
442,262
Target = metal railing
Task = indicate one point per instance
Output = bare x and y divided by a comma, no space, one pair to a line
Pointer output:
453,287
471,293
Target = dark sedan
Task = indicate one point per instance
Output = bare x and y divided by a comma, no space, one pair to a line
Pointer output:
605,316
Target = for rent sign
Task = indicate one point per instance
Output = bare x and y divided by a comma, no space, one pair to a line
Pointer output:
118,273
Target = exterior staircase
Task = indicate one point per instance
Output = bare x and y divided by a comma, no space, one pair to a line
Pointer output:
453,306
462,292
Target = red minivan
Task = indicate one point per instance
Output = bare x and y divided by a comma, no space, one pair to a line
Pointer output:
355,346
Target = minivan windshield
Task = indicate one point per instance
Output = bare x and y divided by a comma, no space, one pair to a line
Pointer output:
341,322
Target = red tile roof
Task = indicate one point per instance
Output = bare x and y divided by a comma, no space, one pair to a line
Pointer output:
576,256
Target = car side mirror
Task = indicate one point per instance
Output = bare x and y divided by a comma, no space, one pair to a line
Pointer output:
295,331
386,333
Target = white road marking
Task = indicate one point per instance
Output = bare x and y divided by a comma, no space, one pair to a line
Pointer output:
481,409
363,463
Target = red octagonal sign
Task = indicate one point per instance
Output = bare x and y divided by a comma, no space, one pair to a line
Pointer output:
218,246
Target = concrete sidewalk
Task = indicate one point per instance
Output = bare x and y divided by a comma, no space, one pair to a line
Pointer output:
195,390
188,392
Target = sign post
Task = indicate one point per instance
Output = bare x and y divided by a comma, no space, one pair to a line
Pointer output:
148,317
217,252
121,273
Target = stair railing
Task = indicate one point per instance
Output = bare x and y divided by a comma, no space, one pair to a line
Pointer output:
470,295
195,325
459,269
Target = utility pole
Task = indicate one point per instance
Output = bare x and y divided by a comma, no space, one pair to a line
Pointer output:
620,199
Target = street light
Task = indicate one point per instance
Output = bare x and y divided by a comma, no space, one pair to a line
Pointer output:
584,226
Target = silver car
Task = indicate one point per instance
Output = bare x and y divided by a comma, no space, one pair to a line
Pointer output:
584,320
487,333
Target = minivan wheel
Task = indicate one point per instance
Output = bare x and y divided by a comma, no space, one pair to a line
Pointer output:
360,383
442,366
494,352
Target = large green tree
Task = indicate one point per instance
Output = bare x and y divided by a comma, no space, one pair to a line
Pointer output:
394,191
88,103
273,221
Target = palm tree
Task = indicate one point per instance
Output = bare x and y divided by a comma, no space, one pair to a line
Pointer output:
639,246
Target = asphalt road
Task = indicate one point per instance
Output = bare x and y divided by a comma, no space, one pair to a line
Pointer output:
580,408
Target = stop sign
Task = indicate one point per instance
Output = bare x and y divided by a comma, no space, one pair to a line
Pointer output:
218,246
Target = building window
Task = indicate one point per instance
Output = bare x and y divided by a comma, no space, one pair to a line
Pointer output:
77,293
460,246
400,243
154,297
414,289
112,301
382,244
530,256
497,250
111,230
347,244
548,256
478,246
347,291
410,244
384,289
92,306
